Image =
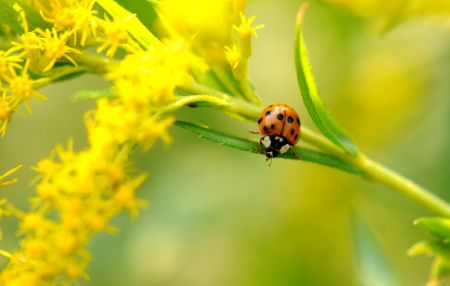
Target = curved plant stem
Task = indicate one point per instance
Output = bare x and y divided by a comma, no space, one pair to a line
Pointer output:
385,176
187,100
95,64
372,170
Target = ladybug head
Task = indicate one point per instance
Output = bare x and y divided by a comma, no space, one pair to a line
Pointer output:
274,145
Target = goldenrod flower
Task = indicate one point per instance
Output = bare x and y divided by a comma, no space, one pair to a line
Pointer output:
246,31
7,109
9,62
21,88
54,47
206,25
115,36
7,174
233,56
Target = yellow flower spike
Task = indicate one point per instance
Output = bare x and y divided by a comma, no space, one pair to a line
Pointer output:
9,173
246,31
209,20
125,196
36,248
152,129
31,45
32,222
22,89
95,222
7,109
66,243
233,56
115,34
5,253
75,269
8,63
70,18
54,47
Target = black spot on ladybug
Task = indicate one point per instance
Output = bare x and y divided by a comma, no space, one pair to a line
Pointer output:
266,128
259,120
298,121
292,131
272,126
267,112
280,116
295,137
290,119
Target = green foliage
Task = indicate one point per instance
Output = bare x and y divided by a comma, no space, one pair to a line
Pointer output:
313,103
12,11
94,94
438,246
372,264
242,144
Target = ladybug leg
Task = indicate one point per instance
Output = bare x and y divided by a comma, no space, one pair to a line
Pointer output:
295,155
253,132
269,161
259,149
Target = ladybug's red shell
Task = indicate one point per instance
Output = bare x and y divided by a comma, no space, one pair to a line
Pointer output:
282,120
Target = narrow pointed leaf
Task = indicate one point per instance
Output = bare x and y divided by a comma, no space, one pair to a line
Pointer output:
302,154
373,266
439,227
313,103
10,15
94,94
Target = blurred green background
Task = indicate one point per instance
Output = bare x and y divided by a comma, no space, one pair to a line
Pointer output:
223,217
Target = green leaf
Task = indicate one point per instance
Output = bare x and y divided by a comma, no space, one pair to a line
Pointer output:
132,24
431,247
373,266
437,226
438,246
10,15
94,94
242,144
313,103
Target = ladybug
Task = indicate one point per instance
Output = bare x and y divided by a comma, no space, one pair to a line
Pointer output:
279,126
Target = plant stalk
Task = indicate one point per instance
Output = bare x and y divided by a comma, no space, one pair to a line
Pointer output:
372,170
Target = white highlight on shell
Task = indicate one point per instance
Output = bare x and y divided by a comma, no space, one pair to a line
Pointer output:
284,148
266,141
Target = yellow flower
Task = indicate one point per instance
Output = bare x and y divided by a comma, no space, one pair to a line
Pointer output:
246,31
7,108
54,47
233,56
206,24
21,88
8,64
7,174
151,129
116,36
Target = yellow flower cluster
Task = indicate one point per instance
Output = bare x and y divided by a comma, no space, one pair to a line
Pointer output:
75,26
78,193
77,196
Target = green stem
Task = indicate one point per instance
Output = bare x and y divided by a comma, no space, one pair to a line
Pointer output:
385,176
186,100
95,64
372,170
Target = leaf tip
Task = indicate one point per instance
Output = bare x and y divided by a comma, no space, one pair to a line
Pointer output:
301,13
